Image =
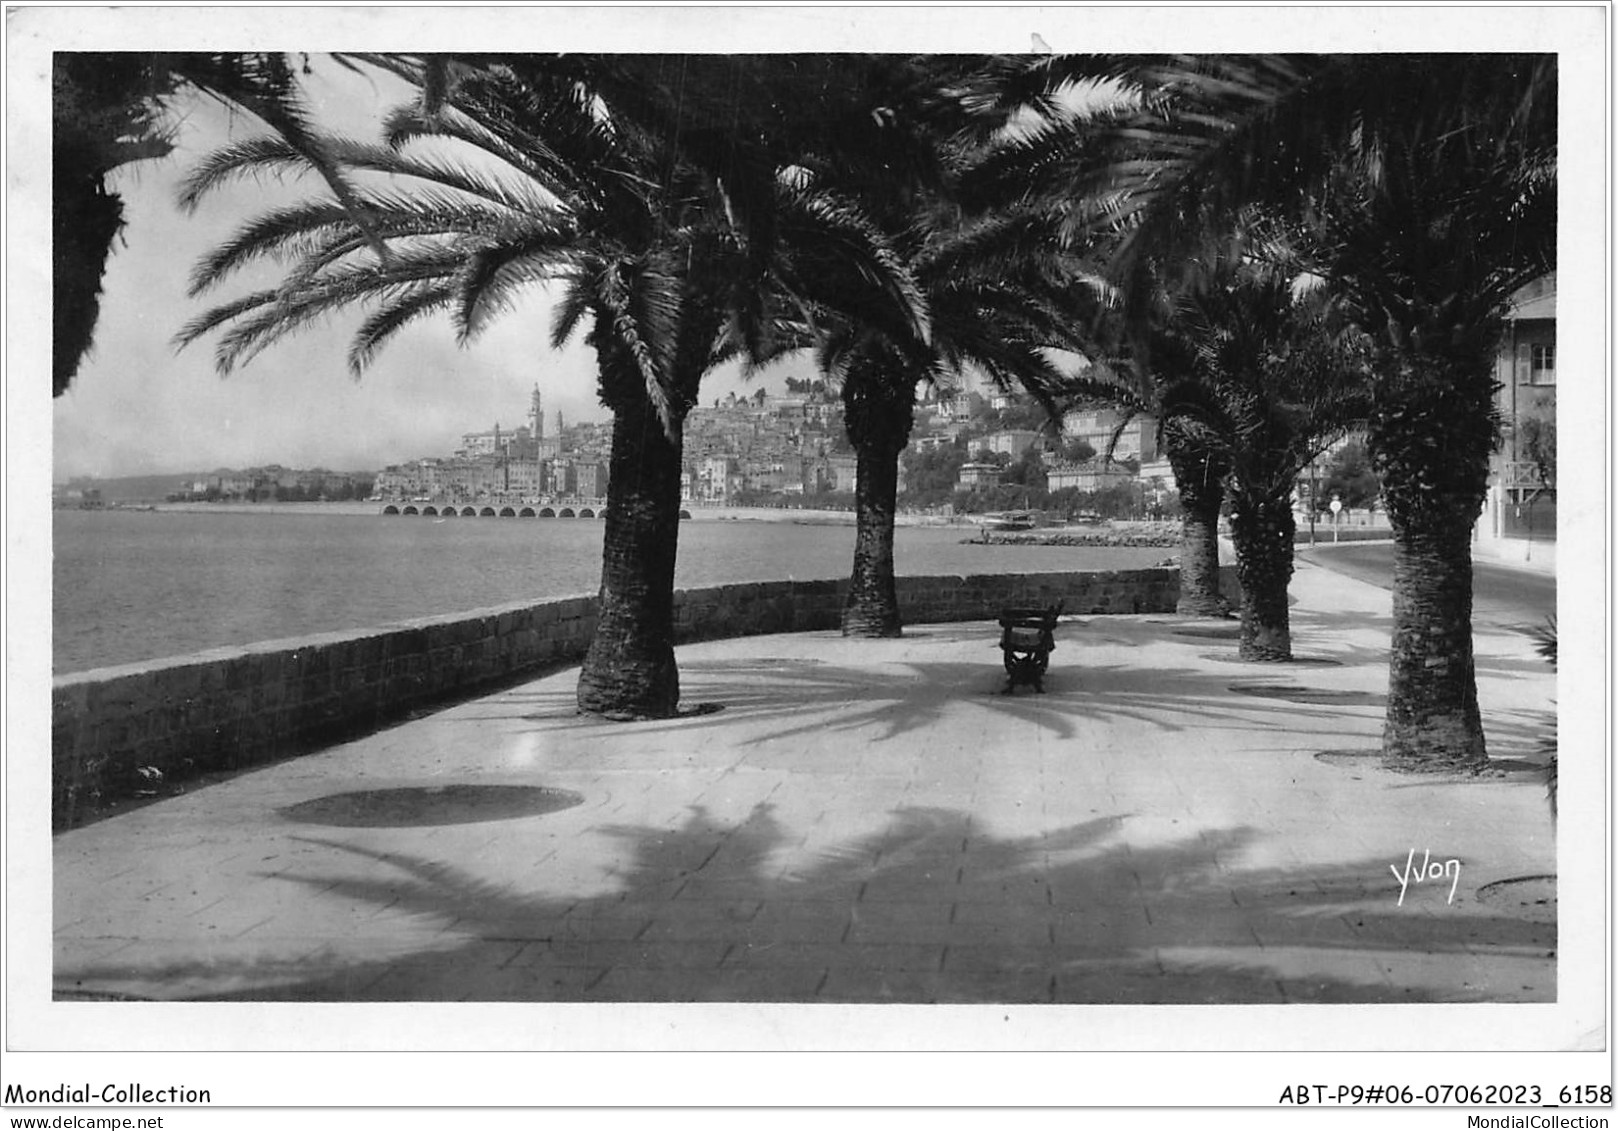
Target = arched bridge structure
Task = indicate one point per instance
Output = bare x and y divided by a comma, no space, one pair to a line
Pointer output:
523,508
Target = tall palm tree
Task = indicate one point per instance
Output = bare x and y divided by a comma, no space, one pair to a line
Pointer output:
636,214
995,293
1143,361
988,284
1199,479
1429,186
1124,321
1248,374
1273,380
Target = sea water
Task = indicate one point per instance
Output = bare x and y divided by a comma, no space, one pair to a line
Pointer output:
137,585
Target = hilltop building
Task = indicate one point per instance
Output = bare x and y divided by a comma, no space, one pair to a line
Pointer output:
974,475
1096,427
1012,442
1092,475
527,442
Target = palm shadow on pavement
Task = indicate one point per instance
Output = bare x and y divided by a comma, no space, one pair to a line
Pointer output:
927,910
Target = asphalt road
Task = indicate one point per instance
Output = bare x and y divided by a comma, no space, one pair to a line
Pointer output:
1501,595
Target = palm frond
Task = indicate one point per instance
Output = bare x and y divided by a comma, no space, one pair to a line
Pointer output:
506,261
210,320
262,84
248,157
526,154
418,300
265,317
859,252
569,314
642,309
283,233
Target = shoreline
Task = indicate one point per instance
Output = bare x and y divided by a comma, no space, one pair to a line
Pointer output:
806,516
343,508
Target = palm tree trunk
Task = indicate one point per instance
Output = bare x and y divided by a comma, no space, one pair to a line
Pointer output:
1264,531
872,607
1433,720
878,412
1431,444
1198,481
629,670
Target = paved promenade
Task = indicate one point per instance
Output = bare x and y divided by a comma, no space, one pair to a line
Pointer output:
865,821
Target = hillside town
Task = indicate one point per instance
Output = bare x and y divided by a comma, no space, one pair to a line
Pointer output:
791,449
519,464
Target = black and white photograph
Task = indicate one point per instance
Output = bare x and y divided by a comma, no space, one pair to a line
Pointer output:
819,531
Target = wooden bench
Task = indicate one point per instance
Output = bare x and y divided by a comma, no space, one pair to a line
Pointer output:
1027,637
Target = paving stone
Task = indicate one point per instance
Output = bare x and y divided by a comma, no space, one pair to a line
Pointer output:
623,984
704,910
816,910
992,958
746,933
899,915
1467,977
1124,926
1026,933
1134,987
729,892
864,985
945,988
835,956
567,928
700,953
938,887
527,982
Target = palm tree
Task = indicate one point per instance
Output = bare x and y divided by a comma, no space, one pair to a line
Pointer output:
1199,477
989,284
1272,381
1123,321
637,215
1428,183
993,292
1144,361
878,391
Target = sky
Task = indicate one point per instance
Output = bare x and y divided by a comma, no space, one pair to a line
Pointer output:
140,405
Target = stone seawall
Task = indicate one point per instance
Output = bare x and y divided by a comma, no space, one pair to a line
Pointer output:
115,730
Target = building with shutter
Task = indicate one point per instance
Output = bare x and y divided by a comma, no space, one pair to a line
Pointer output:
1522,487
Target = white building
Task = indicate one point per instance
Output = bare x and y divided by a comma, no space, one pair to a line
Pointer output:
1012,441
1093,475
713,478
1095,426
978,475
